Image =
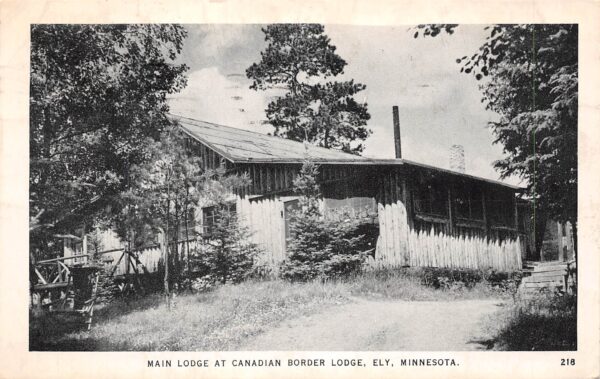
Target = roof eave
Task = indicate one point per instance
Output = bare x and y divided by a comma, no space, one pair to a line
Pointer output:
208,144
377,162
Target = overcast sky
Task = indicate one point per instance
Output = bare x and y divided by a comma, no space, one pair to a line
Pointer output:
439,106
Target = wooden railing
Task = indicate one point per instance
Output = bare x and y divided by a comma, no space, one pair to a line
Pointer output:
147,259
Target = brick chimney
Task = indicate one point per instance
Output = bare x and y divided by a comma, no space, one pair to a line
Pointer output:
397,142
457,158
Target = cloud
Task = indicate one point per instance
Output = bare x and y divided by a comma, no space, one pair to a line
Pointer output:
439,106
231,48
212,96
217,38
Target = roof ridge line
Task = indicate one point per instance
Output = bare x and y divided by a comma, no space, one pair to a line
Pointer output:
266,135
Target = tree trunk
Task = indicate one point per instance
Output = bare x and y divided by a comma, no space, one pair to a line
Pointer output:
165,248
575,252
187,243
166,242
539,231
163,242
574,231
177,258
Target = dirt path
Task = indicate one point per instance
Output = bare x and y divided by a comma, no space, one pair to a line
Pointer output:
384,325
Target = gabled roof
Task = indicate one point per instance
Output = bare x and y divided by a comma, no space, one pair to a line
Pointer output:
244,146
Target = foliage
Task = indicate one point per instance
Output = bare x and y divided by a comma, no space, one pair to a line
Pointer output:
164,191
97,99
454,278
319,247
300,60
547,322
230,254
531,81
161,192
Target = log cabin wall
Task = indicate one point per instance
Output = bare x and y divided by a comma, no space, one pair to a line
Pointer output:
278,178
461,206
424,218
438,220
415,206
262,204
395,223
268,179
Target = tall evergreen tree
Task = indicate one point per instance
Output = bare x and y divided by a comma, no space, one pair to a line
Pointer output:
300,59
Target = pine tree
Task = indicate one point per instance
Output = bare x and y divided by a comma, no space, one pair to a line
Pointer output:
230,254
300,59
230,257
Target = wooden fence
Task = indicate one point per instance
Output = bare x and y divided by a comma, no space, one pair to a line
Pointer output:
419,249
431,249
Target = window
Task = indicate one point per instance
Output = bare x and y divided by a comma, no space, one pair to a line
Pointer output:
355,207
432,198
344,199
501,207
210,217
468,202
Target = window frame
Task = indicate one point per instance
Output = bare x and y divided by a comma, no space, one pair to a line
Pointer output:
207,226
473,194
429,187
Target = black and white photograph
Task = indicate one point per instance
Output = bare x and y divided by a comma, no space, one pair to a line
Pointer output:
303,187
317,189
286,187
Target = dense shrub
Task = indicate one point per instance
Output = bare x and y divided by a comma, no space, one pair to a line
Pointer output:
450,278
319,247
546,322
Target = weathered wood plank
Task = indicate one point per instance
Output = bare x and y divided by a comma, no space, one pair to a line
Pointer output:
534,279
548,273
549,268
542,285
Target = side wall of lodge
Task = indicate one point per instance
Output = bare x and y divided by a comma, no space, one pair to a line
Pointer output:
421,218
419,224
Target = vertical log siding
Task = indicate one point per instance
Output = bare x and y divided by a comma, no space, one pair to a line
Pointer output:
410,239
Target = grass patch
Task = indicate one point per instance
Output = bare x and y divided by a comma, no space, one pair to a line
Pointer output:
226,317
218,320
547,322
416,284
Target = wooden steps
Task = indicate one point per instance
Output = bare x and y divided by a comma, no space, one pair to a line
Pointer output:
540,276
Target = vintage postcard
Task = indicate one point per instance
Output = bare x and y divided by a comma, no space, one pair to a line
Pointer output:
228,189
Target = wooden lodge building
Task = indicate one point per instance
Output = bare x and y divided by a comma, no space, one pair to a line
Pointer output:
425,216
